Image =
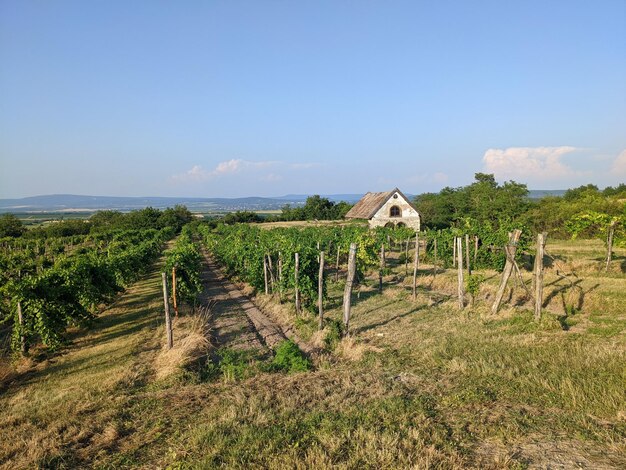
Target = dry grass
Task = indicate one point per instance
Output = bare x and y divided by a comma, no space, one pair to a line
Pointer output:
192,342
419,384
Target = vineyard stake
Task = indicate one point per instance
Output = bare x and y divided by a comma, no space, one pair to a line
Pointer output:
271,271
609,245
267,291
467,255
460,290
510,250
406,257
174,290
347,293
168,320
416,265
280,276
20,319
538,278
454,257
337,264
382,267
435,265
320,291
297,268
475,248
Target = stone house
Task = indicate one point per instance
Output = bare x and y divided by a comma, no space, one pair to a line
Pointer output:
388,209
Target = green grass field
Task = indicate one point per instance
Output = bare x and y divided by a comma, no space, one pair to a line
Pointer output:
419,384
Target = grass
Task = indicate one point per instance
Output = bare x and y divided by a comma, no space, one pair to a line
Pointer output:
417,385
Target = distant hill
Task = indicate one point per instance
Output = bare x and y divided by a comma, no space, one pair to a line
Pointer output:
76,203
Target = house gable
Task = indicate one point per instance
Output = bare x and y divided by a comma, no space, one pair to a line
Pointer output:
388,208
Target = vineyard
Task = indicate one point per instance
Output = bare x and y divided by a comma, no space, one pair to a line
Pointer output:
445,384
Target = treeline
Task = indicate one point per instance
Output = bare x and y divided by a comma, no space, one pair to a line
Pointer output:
585,211
315,208
101,221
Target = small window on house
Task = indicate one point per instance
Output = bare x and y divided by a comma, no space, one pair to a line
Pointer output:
394,211
395,196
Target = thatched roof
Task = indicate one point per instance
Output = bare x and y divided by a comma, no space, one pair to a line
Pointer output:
368,205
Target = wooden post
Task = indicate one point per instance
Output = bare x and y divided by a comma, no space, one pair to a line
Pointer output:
609,245
467,255
270,269
389,243
320,292
297,268
541,245
174,291
454,253
475,248
406,257
347,292
382,267
510,249
337,263
280,276
416,265
460,287
168,320
435,262
267,290
20,319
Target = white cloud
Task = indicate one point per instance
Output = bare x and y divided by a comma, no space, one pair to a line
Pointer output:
540,163
619,165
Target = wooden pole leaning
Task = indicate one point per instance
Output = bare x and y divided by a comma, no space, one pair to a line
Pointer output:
510,250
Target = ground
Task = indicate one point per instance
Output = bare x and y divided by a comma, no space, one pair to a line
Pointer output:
419,384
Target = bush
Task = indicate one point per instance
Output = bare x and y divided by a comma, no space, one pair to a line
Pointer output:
289,358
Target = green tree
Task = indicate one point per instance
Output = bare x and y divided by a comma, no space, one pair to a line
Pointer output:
11,226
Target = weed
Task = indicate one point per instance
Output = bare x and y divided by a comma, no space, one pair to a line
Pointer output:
289,358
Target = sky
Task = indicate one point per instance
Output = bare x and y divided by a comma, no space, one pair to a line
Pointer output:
266,98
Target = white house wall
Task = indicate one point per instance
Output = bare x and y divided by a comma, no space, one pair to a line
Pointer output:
409,216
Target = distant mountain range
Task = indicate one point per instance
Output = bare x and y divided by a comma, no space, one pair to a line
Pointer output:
75,203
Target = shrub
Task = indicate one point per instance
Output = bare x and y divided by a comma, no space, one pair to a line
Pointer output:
289,358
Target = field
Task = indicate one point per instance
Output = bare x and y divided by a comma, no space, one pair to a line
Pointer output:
418,384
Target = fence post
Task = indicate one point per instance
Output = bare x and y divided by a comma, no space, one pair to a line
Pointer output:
297,268
541,245
320,292
382,267
168,319
347,293
609,245
467,255
459,258
416,263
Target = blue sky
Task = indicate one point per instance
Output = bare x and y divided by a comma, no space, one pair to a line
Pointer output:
237,98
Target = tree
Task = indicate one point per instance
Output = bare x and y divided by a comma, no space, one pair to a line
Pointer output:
11,226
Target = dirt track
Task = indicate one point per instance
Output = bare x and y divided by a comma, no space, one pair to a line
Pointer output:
238,323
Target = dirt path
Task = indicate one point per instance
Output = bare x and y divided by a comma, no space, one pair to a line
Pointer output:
238,323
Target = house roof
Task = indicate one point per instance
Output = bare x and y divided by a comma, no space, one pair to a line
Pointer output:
369,204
